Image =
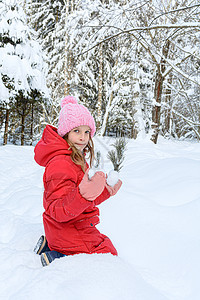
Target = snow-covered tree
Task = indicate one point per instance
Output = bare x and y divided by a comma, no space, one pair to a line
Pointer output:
48,18
159,28
104,75
133,63
22,68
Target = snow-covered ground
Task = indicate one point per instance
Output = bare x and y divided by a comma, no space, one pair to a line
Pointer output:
154,222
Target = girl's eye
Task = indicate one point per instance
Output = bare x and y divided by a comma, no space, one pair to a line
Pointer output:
87,132
76,130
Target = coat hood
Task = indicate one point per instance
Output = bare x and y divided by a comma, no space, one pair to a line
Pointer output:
50,145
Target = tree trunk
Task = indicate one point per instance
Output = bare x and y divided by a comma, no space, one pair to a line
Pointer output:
134,131
168,109
158,93
22,131
100,87
31,133
5,140
68,64
134,127
138,122
157,106
106,116
68,69
108,106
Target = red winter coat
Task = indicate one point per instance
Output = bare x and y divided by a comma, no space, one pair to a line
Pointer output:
69,219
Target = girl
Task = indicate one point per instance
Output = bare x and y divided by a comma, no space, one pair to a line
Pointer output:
70,199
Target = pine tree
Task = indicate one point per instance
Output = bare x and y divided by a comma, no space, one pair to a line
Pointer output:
117,155
22,67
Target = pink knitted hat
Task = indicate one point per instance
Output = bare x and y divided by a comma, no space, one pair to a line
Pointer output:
73,115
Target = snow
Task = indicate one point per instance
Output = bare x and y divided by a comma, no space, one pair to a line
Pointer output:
22,61
153,222
113,178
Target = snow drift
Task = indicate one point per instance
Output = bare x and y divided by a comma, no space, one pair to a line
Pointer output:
155,228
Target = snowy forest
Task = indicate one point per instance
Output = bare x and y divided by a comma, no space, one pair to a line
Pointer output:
134,64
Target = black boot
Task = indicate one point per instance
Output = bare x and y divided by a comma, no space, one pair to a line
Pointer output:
41,246
49,256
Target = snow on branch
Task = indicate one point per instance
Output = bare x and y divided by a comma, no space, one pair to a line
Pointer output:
147,28
175,11
180,115
178,70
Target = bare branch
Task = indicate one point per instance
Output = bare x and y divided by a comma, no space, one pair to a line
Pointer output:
190,122
174,11
128,31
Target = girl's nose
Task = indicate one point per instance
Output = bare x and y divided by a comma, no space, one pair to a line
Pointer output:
82,136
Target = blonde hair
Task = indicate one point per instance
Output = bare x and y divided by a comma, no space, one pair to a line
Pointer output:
77,156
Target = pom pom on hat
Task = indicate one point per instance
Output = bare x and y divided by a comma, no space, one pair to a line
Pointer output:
73,115
67,100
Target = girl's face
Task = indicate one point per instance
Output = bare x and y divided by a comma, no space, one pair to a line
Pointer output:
79,136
